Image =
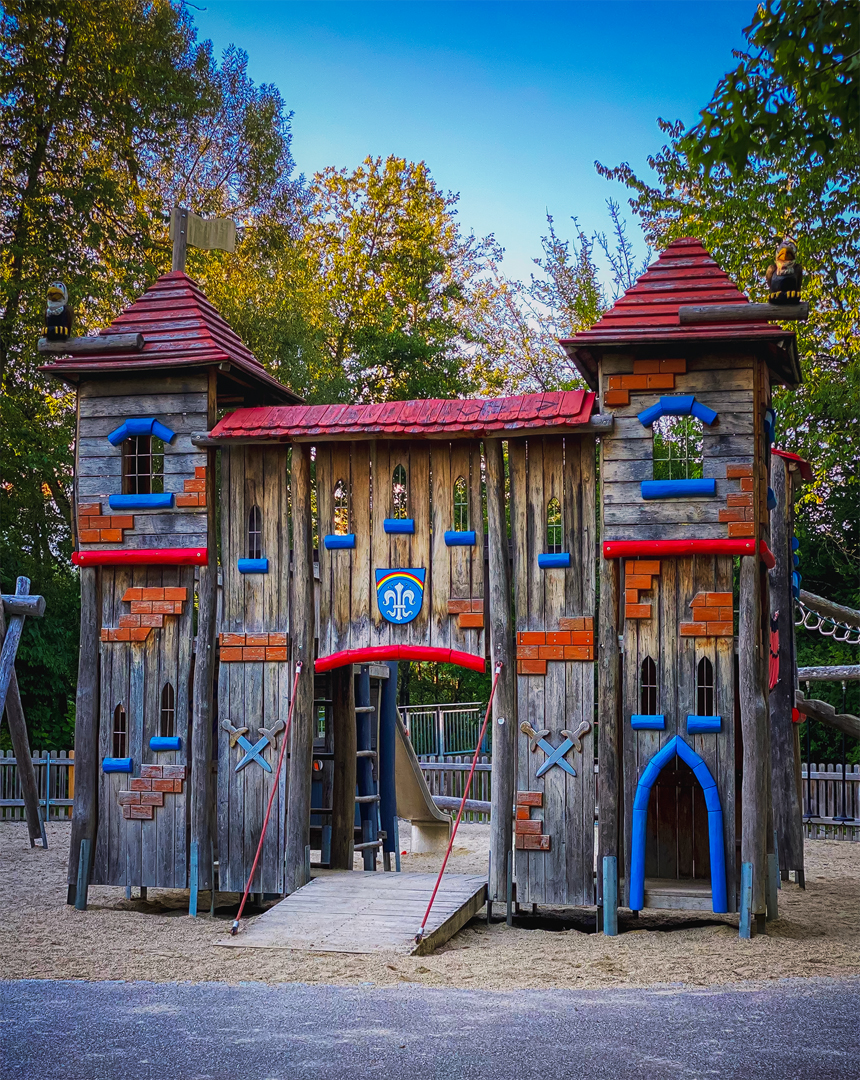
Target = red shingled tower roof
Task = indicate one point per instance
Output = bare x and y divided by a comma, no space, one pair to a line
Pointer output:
684,273
180,329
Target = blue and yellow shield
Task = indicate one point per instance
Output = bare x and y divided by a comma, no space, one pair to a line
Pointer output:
400,594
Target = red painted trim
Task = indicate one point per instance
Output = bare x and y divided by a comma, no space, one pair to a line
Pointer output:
142,557
377,653
676,549
802,463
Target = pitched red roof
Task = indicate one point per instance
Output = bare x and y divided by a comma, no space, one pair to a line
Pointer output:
180,328
684,273
424,418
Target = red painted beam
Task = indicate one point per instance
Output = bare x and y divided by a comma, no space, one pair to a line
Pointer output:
142,557
677,549
377,653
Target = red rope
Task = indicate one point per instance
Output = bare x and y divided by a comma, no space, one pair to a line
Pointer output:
299,665
420,933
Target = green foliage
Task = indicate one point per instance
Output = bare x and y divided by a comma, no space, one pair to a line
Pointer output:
797,85
442,684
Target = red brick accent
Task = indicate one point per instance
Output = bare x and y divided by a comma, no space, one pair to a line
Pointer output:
174,772
707,614
89,536
175,594
231,639
130,620
712,599
85,509
720,629
150,620
693,629
738,528
152,594
576,624
152,771
528,652
470,620
200,472
643,566
163,607
177,786
229,656
677,365
739,498
661,382
187,500
737,513
132,594
531,667
478,606
613,382
631,596
634,382
533,827
122,521
110,536
455,607
152,798
551,652
145,812
616,398
726,614
194,485
142,783
128,797
532,637
637,581
254,654
637,611
646,367
747,483
256,639
139,633
278,653
578,652
163,785
561,637
277,639
533,843
530,798
523,813
582,637
738,472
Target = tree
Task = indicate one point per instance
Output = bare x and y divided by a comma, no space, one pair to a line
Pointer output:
798,85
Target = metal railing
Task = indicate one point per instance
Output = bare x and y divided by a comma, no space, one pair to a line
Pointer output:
55,781
442,730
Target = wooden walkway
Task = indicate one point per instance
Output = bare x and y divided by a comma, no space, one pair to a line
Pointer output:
356,912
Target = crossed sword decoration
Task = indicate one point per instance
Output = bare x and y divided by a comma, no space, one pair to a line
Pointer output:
253,751
555,754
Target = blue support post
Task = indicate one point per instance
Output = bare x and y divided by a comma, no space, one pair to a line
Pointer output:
610,895
83,875
385,750
745,925
193,878
367,812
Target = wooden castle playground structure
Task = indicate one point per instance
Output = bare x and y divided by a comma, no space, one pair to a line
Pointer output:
184,689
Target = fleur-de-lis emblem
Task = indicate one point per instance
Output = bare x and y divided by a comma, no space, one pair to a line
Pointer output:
400,594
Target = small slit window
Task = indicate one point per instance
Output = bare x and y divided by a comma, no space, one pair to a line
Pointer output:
167,726
553,527
705,688
399,492
678,448
341,508
143,465
461,505
120,732
648,687
255,533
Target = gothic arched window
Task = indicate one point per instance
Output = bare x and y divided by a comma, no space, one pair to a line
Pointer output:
143,465
461,505
120,732
705,688
341,508
553,526
399,493
167,726
678,448
255,533
648,687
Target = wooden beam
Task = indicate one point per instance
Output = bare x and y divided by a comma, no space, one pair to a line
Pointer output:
754,732
836,673
32,606
608,713
302,639
21,742
742,313
829,609
787,810
179,223
85,808
501,651
89,346
820,710
343,790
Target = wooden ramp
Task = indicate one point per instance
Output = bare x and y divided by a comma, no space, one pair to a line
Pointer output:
357,912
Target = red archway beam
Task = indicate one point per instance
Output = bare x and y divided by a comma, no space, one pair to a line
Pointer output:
142,557
669,549
375,653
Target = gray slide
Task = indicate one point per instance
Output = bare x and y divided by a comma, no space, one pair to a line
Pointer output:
431,827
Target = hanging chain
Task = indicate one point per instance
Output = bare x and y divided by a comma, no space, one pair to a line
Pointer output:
826,625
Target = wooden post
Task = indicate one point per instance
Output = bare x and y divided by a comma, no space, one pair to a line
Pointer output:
302,638
179,215
202,800
610,895
754,732
343,788
504,718
21,746
787,809
85,808
387,734
608,708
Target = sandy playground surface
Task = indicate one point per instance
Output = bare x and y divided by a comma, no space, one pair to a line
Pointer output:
818,933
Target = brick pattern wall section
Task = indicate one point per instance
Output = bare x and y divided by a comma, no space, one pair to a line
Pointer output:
195,490
148,790
638,578
739,514
97,528
712,616
469,613
245,648
528,830
648,376
148,609
574,640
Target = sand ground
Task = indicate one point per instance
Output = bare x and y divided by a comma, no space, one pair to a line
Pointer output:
817,934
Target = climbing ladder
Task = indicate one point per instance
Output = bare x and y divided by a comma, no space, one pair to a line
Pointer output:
367,773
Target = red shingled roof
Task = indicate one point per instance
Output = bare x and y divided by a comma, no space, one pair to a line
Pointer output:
428,418
684,273
180,328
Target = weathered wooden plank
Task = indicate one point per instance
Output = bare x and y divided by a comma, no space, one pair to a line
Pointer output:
122,406
476,637
679,531
443,518
671,512
340,561
754,731
418,631
99,427
343,792
380,552
325,481
362,584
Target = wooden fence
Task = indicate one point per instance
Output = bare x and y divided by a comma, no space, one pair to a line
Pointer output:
448,778
823,802
55,779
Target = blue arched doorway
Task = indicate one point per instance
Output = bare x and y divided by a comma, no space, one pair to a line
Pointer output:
676,745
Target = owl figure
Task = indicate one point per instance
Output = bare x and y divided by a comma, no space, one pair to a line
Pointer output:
784,277
58,320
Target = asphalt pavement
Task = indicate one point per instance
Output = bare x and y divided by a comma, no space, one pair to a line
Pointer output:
57,1030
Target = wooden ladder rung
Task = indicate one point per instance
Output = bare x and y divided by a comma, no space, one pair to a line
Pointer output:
366,798
365,708
368,844
365,753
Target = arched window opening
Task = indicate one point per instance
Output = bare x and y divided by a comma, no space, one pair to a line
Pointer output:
705,688
648,687
255,533
341,508
167,727
143,465
678,448
553,527
120,732
461,505
399,493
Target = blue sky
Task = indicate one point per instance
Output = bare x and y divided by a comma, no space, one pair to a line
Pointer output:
508,103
